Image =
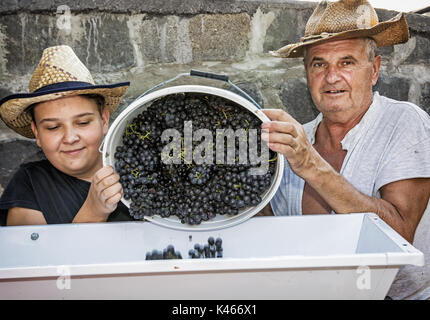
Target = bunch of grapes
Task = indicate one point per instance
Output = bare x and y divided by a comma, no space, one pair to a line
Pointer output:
213,249
193,192
168,253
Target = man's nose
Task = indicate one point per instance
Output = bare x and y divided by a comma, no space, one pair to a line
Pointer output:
333,74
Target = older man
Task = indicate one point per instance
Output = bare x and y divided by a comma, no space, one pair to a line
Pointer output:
364,152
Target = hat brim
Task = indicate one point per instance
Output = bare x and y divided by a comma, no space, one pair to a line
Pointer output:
386,33
13,107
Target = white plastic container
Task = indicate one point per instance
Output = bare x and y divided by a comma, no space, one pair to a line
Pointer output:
352,256
114,138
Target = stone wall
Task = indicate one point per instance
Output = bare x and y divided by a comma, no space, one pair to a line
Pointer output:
148,42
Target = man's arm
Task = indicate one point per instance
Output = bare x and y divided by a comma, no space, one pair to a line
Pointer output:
402,203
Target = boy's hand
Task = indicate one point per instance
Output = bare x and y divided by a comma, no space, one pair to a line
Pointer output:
103,197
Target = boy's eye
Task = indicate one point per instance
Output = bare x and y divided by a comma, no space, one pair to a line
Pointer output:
52,128
82,123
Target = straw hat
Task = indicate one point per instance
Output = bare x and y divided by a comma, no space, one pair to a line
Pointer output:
59,74
346,19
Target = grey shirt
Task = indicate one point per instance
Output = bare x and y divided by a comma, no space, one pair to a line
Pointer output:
390,143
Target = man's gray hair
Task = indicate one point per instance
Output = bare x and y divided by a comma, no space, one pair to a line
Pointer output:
371,47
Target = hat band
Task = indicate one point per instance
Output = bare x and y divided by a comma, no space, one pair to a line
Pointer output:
317,36
68,85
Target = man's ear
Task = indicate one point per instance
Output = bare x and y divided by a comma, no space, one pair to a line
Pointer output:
376,67
105,118
36,133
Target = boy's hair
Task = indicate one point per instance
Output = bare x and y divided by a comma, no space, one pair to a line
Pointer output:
98,99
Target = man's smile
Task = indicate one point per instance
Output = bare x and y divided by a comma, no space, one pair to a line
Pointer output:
334,92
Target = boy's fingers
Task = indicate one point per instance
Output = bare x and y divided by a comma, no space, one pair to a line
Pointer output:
102,173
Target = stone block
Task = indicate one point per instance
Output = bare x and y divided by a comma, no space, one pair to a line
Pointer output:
165,40
27,36
421,53
4,93
181,7
250,89
219,37
101,41
393,87
288,27
418,22
297,100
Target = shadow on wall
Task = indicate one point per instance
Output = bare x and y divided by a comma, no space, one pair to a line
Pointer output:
18,152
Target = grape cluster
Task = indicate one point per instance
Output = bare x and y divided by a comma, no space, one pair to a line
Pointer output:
190,191
167,253
213,249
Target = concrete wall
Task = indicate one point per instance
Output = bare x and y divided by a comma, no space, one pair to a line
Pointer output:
148,42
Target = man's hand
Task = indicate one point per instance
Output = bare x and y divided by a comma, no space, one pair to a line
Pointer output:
103,197
287,136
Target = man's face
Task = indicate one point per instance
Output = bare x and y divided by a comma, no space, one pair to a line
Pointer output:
340,77
70,130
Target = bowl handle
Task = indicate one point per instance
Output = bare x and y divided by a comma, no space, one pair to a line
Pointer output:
196,73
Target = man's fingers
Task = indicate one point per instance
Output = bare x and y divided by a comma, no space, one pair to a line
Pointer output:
281,148
281,138
278,126
277,115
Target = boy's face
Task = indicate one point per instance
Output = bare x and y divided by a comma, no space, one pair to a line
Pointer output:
70,130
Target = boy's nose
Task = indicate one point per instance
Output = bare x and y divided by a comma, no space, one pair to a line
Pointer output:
70,135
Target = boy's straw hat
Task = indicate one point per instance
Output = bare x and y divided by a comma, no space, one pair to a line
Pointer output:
59,74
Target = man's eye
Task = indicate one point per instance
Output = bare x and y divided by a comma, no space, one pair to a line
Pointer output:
318,64
83,123
52,128
347,63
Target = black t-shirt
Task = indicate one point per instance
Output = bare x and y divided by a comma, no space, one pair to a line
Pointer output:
40,186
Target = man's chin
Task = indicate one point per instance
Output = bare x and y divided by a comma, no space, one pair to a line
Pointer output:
333,108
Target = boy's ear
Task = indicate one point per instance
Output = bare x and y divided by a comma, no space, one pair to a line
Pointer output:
35,132
105,118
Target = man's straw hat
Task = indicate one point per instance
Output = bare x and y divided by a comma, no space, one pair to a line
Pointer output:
346,19
59,74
